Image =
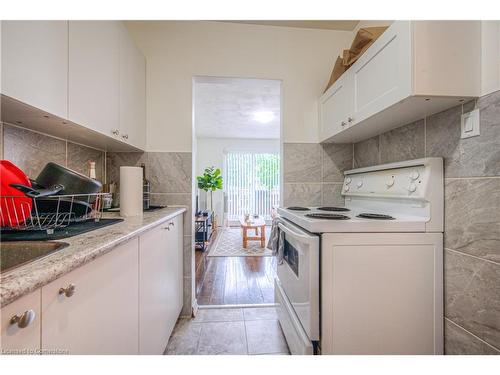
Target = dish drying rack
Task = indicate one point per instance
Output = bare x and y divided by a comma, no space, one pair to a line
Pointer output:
16,213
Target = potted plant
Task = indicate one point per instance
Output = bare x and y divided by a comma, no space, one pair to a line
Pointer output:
210,181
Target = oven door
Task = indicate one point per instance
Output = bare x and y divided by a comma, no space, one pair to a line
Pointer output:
298,275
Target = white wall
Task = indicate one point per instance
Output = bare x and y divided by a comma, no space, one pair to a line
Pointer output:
210,152
178,50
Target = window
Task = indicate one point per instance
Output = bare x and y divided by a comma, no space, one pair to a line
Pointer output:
251,184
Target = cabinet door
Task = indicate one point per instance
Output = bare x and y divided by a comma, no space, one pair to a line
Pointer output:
22,337
382,75
178,254
94,77
101,317
160,295
132,92
336,105
35,64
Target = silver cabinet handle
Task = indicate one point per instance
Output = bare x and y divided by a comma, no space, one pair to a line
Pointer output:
350,119
68,291
23,320
171,224
125,136
166,228
115,132
343,123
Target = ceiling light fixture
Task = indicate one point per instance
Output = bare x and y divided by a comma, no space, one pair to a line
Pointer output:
263,116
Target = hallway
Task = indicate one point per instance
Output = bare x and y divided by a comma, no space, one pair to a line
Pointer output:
234,280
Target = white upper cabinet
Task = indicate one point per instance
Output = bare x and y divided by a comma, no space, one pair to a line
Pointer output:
94,75
336,106
414,69
35,64
382,76
88,72
132,92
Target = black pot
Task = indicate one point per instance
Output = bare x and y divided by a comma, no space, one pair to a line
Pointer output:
73,182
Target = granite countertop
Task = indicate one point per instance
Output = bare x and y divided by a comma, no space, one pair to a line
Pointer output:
82,249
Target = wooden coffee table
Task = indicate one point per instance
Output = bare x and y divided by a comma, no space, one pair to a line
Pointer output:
256,224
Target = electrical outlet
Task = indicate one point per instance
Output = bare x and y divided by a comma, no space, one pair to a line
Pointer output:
470,124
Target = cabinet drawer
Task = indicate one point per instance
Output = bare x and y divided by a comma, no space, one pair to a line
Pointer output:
23,336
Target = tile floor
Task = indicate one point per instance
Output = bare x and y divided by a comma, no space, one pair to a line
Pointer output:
249,330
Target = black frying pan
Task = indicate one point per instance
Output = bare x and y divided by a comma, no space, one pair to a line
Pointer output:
73,182
37,191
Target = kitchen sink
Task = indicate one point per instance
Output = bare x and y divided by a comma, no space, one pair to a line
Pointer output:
16,253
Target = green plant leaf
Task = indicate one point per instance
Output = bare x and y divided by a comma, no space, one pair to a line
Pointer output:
211,180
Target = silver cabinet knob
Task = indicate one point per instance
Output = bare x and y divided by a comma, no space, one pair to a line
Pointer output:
23,320
343,123
68,291
125,136
171,224
166,228
350,119
115,132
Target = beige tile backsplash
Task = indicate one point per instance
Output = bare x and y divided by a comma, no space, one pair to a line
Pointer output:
30,151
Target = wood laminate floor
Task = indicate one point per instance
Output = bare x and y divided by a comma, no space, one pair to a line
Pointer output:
234,280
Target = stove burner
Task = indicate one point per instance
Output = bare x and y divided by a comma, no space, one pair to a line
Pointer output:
328,216
294,208
333,209
375,216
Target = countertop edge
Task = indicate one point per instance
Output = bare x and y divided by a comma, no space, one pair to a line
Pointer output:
85,258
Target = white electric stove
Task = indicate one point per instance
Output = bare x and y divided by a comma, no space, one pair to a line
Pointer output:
377,261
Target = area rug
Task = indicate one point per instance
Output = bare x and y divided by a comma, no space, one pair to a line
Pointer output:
230,244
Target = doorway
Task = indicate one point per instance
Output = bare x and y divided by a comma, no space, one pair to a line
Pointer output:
236,137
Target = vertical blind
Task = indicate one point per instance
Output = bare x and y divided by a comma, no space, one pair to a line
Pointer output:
251,183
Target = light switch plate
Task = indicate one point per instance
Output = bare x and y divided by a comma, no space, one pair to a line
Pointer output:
470,124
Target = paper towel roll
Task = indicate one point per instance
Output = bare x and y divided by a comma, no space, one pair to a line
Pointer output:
131,191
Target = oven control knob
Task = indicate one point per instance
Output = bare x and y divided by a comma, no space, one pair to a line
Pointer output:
346,188
359,184
412,187
348,180
390,182
414,175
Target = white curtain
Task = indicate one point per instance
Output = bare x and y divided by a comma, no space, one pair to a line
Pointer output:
251,183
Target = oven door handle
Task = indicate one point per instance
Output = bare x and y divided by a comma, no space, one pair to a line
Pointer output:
298,236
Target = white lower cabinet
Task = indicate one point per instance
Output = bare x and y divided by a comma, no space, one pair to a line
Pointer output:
124,302
160,280
94,309
21,325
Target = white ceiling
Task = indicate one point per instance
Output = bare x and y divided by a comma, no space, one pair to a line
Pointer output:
226,107
343,25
